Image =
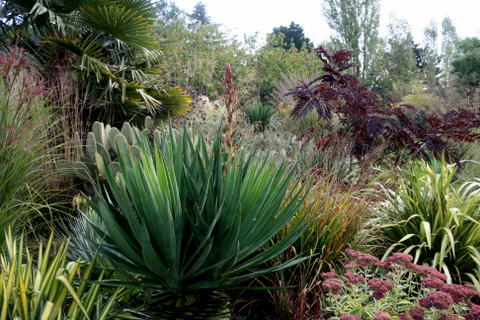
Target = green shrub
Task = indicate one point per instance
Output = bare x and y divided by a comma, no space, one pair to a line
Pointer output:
191,220
259,115
435,220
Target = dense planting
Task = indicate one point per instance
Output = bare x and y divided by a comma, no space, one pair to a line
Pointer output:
197,177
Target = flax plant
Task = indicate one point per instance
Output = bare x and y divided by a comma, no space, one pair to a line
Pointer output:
192,220
435,220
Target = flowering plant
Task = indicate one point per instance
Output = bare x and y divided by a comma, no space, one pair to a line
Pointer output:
395,288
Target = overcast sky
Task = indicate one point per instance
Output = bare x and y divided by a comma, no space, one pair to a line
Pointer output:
250,16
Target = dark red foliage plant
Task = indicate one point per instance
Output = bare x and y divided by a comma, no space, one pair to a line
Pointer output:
369,121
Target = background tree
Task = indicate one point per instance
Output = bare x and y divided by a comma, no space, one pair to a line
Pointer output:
196,55
357,23
273,62
399,64
199,14
294,36
449,49
430,59
467,65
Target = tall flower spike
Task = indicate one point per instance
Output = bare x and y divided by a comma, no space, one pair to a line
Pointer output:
231,101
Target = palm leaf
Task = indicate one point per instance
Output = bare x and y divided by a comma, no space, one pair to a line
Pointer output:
121,23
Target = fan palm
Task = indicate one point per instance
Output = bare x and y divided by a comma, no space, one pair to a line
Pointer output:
108,47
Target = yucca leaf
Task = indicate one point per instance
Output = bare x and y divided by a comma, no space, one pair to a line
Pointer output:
47,311
66,282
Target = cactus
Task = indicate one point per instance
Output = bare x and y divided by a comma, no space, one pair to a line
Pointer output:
101,150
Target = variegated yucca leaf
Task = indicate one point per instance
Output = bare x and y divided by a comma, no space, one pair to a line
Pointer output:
49,287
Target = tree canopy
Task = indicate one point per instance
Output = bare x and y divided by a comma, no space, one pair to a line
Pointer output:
294,36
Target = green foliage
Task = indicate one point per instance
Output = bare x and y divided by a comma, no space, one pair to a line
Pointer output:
393,288
294,37
435,220
259,115
96,54
27,150
470,163
273,61
190,218
467,65
51,287
196,55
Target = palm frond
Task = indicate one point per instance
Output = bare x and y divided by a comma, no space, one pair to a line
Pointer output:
121,23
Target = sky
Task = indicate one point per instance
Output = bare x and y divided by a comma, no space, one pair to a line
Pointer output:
240,17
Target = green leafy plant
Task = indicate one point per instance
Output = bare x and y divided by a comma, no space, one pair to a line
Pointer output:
42,284
434,219
259,115
394,289
190,220
99,55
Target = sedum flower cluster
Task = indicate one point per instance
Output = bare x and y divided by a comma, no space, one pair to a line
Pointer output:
396,288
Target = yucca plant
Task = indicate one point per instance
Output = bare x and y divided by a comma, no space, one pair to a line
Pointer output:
435,220
191,220
43,284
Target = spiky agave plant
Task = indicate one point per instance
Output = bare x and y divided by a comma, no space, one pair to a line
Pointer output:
191,220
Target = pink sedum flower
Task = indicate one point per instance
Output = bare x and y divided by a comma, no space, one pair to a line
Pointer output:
354,278
348,316
380,286
417,313
440,300
382,315
399,258
333,285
